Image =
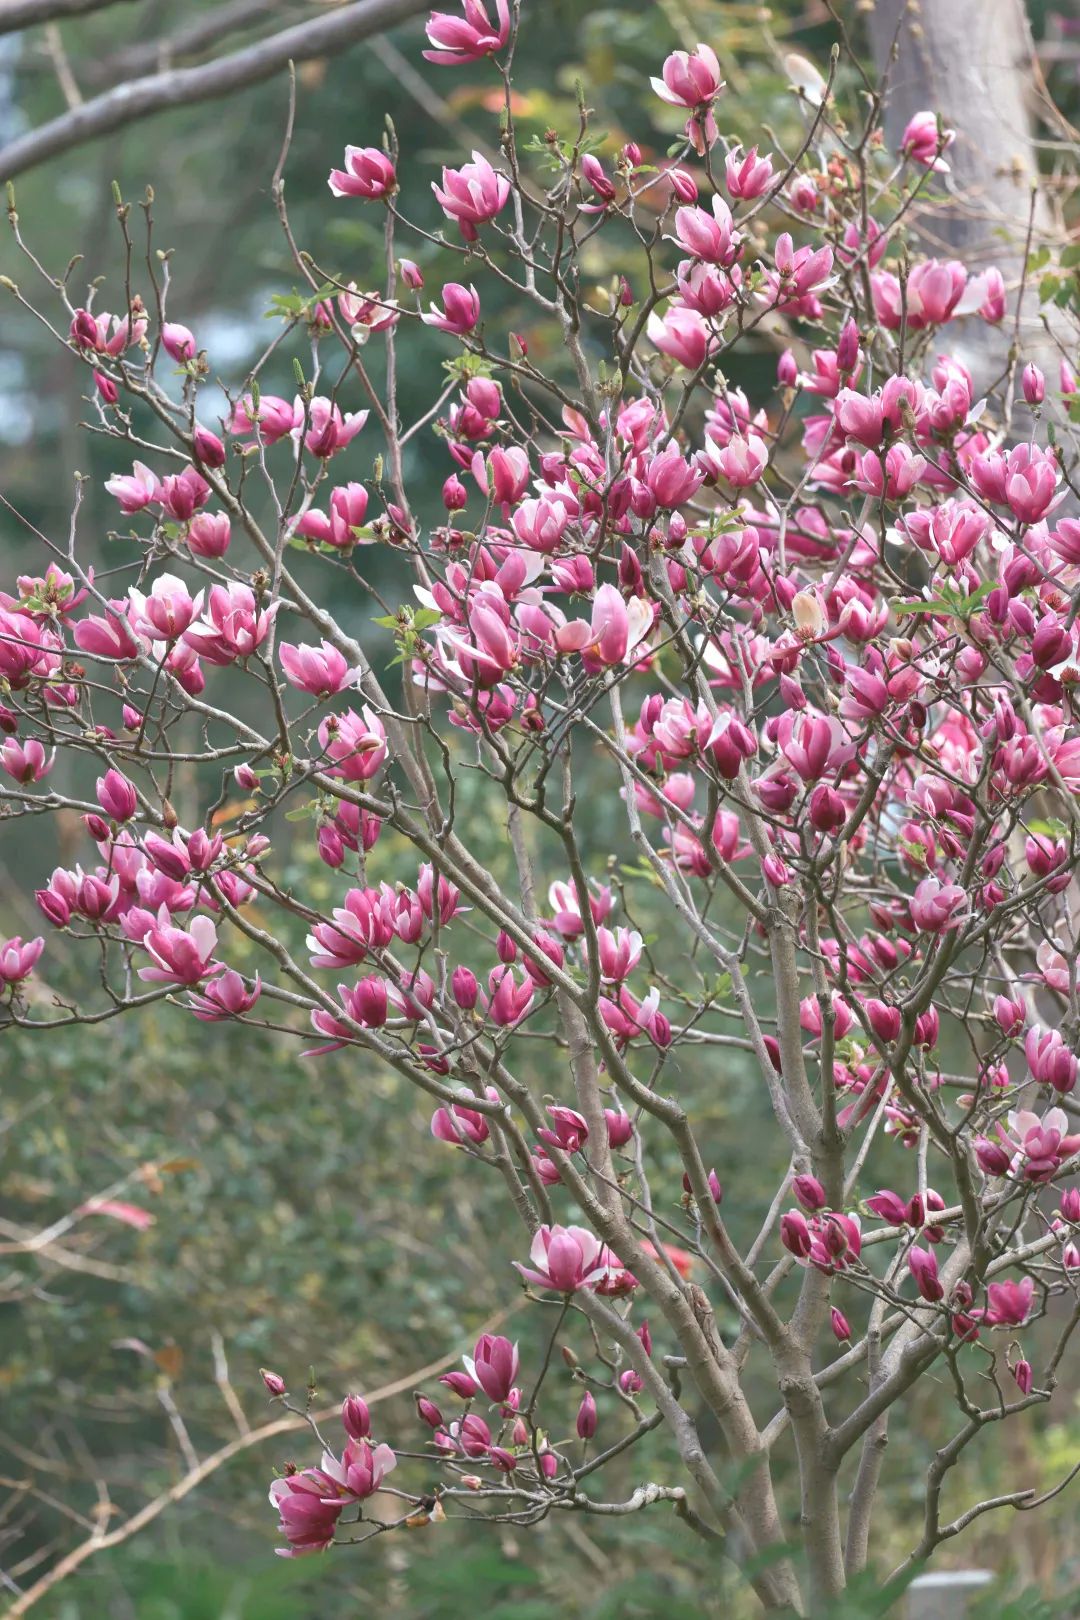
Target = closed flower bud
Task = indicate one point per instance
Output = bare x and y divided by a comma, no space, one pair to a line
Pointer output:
840,1325
620,1127
429,1413
208,447
586,1417
273,1381
355,1417
464,988
809,1191
454,494
1033,383
116,796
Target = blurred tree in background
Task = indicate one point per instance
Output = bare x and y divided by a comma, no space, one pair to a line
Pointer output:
280,1210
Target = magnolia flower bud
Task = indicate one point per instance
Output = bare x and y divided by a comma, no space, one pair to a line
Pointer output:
355,1417
586,1418
429,1413
273,1381
1033,383
809,1191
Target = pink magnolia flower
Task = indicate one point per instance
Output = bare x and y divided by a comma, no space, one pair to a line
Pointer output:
493,1365
813,744
619,952
570,1131
566,1258
705,236
116,795
182,494
27,649
208,447
799,274
178,342
181,956
338,528
682,334
859,417
233,625
689,78
925,139
740,463
469,38
937,907
1040,1145
508,1000
108,636
935,289
747,175
309,1503
460,311
272,419
671,480
18,958
1025,479
457,1123
368,173
107,334
320,670
360,1470
366,313
135,490
1050,1060
472,195
922,1263
895,479
27,761
166,612
355,743
118,1209
227,996
322,426
586,1416
208,534
1008,1304
503,475
615,632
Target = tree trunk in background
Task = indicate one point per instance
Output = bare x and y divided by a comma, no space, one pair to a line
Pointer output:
972,62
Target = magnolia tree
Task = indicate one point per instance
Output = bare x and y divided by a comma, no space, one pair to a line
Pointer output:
819,653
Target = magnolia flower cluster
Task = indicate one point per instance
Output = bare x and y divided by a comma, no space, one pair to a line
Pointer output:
824,650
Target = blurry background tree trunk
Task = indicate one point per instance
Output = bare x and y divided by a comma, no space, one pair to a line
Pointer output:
973,61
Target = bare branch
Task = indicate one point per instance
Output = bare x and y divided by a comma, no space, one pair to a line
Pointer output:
142,98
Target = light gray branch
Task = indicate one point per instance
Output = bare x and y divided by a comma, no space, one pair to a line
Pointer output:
16,14
179,87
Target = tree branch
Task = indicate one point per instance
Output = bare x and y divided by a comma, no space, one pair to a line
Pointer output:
16,14
180,87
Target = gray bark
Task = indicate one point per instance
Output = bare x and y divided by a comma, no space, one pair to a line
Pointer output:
971,61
